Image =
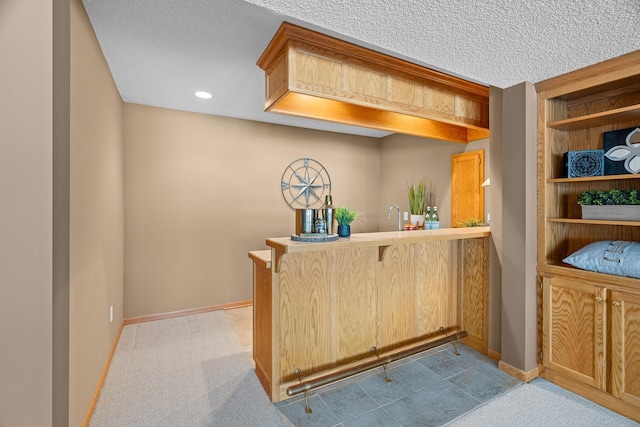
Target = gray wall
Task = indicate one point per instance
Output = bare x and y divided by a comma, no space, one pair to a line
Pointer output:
519,293
495,198
34,257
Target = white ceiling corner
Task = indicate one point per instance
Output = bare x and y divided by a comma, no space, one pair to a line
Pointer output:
161,51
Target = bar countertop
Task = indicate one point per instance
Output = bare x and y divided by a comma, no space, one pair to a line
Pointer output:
383,238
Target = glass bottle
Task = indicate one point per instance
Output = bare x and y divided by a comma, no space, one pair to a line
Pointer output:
427,219
435,219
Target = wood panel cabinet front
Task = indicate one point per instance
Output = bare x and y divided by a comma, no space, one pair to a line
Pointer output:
625,343
574,330
305,333
333,304
354,298
436,287
396,297
591,337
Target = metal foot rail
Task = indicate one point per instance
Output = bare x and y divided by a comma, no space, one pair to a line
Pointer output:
339,375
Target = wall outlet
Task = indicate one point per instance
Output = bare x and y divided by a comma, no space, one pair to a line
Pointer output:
111,313
406,216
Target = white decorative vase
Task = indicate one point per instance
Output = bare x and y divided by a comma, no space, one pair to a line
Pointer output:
417,220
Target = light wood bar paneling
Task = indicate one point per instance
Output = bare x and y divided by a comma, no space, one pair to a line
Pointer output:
332,302
309,74
354,279
396,307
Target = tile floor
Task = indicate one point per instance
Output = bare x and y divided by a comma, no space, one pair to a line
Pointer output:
428,389
432,388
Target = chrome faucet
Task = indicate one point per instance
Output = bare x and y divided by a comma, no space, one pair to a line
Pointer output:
389,215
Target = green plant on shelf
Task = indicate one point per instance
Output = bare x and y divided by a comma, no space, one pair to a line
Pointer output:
473,222
416,196
611,197
344,215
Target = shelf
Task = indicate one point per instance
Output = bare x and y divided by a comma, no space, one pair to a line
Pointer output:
595,178
569,272
595,221
604,118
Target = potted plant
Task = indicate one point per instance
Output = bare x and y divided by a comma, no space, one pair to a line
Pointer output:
473,222
617,205
416,193
344,217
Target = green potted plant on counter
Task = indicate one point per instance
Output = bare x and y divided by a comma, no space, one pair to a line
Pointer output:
613,205
473,222
344,217
416,193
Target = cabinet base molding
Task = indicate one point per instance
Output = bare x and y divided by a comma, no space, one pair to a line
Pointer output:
495,355
597,396
524,376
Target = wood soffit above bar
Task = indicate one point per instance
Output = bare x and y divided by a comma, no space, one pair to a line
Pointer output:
312,75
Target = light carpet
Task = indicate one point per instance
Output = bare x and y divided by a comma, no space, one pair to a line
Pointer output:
540,403
185,371
192,371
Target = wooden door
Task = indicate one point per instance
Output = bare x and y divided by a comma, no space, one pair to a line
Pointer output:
574,325
467,193
625,346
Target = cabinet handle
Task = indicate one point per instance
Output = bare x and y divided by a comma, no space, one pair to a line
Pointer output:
598,299
616,304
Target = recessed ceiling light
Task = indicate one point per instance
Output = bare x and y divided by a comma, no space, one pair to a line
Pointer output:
204,95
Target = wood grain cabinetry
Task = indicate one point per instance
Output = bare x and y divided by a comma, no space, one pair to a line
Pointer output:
332,303
312,75
590,332
625,347
574,325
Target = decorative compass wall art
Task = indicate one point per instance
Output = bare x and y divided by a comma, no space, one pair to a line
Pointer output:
304,184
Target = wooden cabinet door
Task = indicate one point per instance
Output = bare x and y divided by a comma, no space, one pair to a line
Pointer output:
467,193
574,328
625,346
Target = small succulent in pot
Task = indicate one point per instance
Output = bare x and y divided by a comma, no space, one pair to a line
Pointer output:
344,215
473,222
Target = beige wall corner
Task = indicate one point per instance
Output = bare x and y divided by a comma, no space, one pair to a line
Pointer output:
202,191
519,225
97,214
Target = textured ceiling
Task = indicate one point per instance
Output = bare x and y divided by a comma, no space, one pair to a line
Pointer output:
161,51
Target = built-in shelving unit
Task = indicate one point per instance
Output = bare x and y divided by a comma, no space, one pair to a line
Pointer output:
595,222
590,325
594,178
603,118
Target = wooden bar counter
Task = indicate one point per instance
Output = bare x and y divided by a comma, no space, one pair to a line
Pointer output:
321,307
